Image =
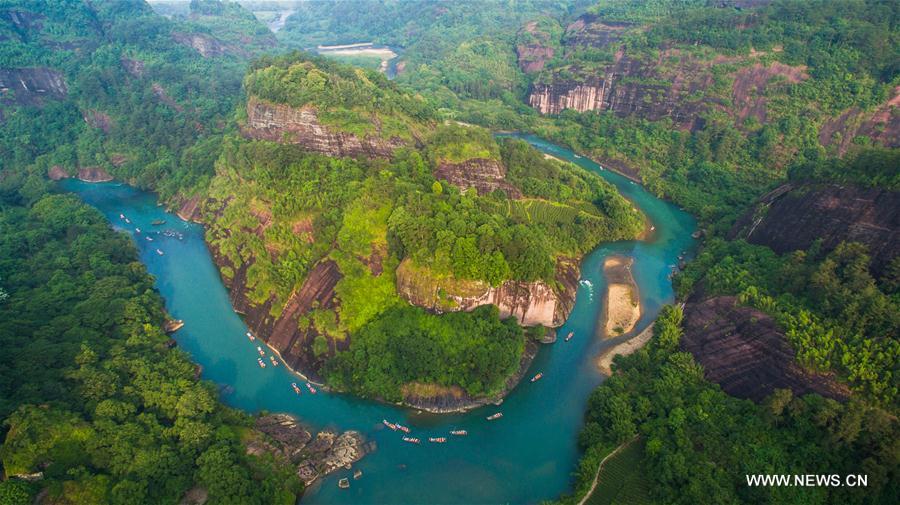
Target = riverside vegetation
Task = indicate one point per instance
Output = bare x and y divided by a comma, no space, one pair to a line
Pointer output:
832,73
371,215
92,399
156,112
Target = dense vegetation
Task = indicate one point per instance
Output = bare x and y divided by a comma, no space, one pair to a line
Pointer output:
700,443
281,211
347,98
90,394
404,345
833,312
141,103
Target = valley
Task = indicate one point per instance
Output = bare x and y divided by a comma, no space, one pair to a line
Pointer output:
426,251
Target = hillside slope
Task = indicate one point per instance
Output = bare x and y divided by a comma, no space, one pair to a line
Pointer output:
330,211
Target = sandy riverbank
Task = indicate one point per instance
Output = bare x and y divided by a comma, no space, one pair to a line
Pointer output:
621,307
604,362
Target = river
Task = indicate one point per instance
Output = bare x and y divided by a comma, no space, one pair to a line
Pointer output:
525,457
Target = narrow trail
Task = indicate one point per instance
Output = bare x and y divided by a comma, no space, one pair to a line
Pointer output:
600,467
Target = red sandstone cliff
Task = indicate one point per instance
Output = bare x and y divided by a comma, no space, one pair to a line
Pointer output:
301,126
744,351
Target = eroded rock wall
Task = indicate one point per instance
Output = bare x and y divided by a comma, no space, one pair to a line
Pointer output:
482,174
301,126
31,86
794,217
531,303
743,350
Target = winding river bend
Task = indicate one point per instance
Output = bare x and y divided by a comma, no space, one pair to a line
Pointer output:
525,457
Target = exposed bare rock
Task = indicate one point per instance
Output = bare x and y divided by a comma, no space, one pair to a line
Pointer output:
164,97
793,217
207,45
317,290
444,400
533,55
24,21
98,119
630,87
751,83
314,457
133,66
57,173
94,174
330,452
882,125
301,126
531,303
482,174
287,436
591,31
674,85
282,333
189,210
31,86
744,351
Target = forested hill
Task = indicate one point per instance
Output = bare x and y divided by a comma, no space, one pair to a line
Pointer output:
96,405
342,198
710,102
114,88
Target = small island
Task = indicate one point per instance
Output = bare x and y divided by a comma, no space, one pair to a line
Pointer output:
621,307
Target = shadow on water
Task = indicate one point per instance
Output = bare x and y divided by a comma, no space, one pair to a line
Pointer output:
525,457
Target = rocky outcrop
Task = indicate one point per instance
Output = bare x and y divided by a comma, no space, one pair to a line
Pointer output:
98,119
207,45
744,351
94,174
531,303
533,48
445,400
86,174
295,344
882,125
482,174
674,84
589,30
793,217
282,333
630,87
57,173
31,86
160,93
134,67
316,457
189,210
301,126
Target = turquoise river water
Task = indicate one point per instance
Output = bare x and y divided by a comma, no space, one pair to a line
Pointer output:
525,457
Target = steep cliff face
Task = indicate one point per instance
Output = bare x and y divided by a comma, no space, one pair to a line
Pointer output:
672,84
282,332
86,174
482,174
744,351
793,217
631,87
301,126
531,303
31,86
